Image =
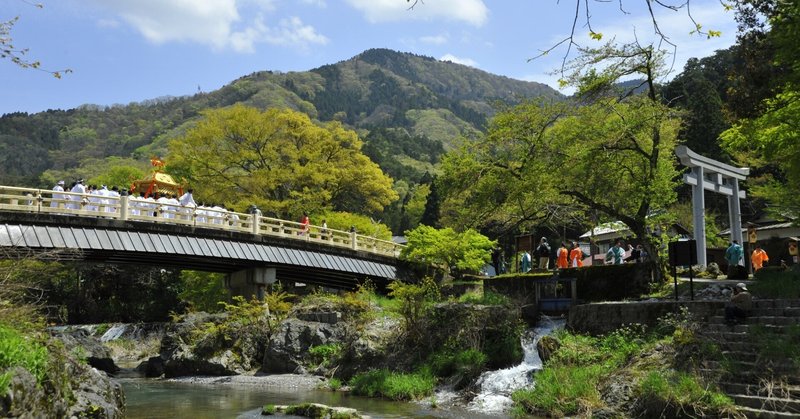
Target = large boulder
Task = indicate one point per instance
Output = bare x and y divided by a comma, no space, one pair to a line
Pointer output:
290,344
73,389
192,346
82,344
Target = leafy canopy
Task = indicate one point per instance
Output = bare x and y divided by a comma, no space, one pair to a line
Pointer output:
542,162
468,251
279,160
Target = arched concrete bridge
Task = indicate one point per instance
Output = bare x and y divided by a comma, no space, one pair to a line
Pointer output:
255,250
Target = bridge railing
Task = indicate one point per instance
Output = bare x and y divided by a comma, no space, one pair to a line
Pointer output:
138,209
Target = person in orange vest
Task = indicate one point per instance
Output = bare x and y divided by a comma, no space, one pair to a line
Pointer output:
758,258
561,256
575,256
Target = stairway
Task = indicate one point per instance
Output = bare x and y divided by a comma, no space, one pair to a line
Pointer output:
755,366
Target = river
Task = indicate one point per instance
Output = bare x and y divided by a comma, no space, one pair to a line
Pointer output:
189,398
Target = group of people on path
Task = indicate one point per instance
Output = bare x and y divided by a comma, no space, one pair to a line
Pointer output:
734,255
617,255
565,257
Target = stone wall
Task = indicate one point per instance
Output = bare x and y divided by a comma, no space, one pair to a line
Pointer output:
602,318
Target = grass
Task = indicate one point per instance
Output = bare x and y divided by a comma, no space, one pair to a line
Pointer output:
17,350
771,282
681,392
575,377
393,385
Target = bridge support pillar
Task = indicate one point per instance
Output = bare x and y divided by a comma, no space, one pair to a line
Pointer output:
250,283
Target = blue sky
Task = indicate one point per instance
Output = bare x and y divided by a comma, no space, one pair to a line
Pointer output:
123,51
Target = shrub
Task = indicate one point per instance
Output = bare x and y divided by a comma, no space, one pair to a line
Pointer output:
562,391
392,385
463,365
670,392
775,282
325,354
17,350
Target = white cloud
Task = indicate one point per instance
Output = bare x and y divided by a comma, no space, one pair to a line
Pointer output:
434,39
471,11
216,23
458,60
318,3
292,31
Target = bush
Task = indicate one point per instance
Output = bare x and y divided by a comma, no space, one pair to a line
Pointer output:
776,282
392,385
670,393
463,365
17,350
561,391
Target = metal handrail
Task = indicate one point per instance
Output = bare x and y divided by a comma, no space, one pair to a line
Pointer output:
133,208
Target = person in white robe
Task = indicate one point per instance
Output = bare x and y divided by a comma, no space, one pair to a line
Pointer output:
113,200
173,206
57,198
77,200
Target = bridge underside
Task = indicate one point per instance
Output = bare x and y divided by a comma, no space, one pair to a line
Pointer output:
310,266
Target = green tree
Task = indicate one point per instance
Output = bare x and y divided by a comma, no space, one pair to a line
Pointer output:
612,155
466,251
279,160
771,141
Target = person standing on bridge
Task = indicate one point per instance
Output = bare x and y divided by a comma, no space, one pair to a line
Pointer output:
57,198
305,223
77,200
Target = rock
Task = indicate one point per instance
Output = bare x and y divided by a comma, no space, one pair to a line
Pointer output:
313,410
73,390
546,347
152,368
290,344
80,343
186,351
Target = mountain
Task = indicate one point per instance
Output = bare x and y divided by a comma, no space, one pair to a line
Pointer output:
408,108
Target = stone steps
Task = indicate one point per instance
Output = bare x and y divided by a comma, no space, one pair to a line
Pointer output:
768,403
766,414
763,390
748,382
774,320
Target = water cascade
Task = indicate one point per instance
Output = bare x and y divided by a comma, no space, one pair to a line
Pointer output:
496,386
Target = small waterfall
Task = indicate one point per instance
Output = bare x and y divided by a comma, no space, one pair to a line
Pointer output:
496,386
114,332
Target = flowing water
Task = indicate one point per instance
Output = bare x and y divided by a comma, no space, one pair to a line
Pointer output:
148,398
152,398
496,386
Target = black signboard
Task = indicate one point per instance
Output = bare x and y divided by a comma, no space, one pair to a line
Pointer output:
683,253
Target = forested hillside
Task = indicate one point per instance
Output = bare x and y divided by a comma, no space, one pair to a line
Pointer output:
417,102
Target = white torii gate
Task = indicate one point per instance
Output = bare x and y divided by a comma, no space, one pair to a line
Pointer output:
712,175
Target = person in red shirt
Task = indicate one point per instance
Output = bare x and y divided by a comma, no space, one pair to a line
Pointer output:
304,224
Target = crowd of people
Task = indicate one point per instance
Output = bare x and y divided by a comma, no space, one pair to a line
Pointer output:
570,255
101,199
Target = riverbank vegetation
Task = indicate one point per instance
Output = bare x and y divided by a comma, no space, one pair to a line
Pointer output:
631,371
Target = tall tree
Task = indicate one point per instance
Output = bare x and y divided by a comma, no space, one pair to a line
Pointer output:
279,160
612,155
772,139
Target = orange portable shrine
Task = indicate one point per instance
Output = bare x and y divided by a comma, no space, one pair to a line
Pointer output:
157,182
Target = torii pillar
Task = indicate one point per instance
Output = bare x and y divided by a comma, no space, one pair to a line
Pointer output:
712,175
